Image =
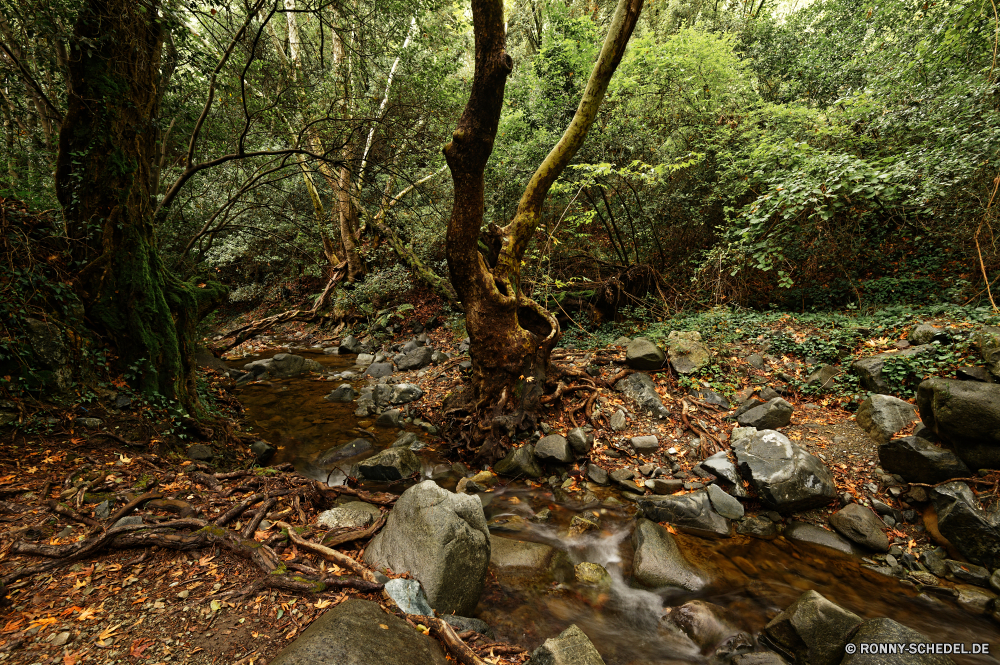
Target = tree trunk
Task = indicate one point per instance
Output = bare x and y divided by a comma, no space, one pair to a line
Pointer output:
106,148
511,336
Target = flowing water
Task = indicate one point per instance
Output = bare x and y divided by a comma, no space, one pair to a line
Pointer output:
751,580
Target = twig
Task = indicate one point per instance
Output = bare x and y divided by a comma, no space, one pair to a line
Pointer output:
338,558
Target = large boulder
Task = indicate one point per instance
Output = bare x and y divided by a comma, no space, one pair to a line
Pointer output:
869,370
642,390
687,352
418,358
873,637
987,342
519,462
658,561
691,513
881,416
358,632
918,460
770,415
390,464
859,524
441,539
786,477
813,629
644,354
965,414
965,525
571,647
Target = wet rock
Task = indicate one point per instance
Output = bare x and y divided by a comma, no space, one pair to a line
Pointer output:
770,415
973,599
337,453
965,525
390,464
200,452
758,527
860,525
342,393
379,370
283,365
581,524
987,342
966,572
869,370
813,629
623,478
507,524
965,414
408,440
592,575
823,377
643,445
408,596
351,515
995,580
579,441
416,359
597,475
263,451
350,345
920,461
522,559
785,476
809,533
390,418
687,352
692,513
658,561
887,631
441,539
881,416
707,624
571,647
618,421
641,389
644,354
554,447
664,486
724,504
365,405
519,462
351,634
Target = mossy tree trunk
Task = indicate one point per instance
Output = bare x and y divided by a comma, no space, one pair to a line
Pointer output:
511,336
106,149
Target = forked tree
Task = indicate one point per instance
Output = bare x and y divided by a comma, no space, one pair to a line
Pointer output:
511,336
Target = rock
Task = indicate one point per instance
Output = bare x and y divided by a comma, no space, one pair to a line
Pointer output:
379,370
364,359
579,441
987,342
710,397
860,525
597,475
592,574
883,631
468,486
967,572
813,629
823,377
687,352
758,658
409,596
519,462
462,624
621,341
809,533
724,504
980,374
658,561
869,370
995,580
132,520
408,440
644,354
200,452
973,599
351,515
342,393
102,511
965,414
768,393
881,416
920,461
350,345
640,388
439,357
263,451
786,477
770,415
91,423
390,464
416,359
523,559
554,447
963,523
926,333
571,647
758,527
441,539
366,405
692,513
351,634
60,639
725,473
756,361
708,625
390,418
337,453
643,445
404,393
664,486
749,403
618,421
52,353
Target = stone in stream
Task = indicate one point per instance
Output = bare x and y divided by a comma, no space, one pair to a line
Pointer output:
966,414
571,647
860,525
786,477
643,445
441,539
378,370
579,441
886,631
881,416
521,559
351,634
813,629
687,352
416,359
869,370
351,515
554,447
408,440
644,354
342,393
282,365
810,533
658,561
390,464
263,451
641,389
519,462
691,513
390,418
965,525
758,527
770,415
350,345
337,453
597,475
724,504
918,460
710,626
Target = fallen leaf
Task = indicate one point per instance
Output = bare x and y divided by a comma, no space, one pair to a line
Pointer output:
47,621
12,626
86,614
108,632
323,604
71,659
138,646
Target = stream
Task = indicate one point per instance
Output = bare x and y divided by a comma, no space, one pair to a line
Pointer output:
751,579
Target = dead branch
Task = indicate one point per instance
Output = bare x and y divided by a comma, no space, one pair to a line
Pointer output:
341,560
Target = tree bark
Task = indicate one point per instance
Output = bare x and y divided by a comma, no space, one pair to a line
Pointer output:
511,336
107,145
